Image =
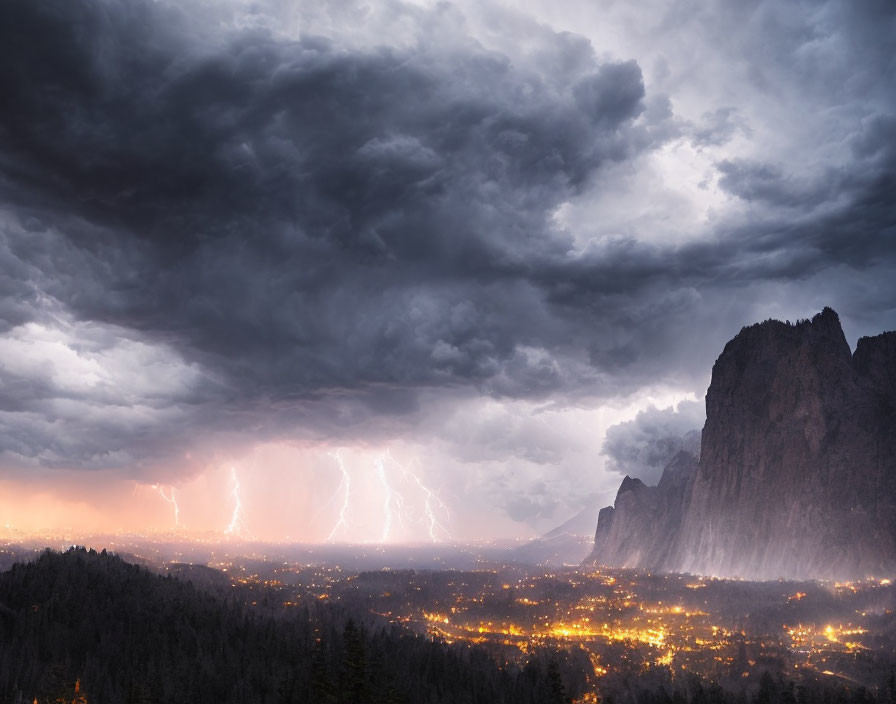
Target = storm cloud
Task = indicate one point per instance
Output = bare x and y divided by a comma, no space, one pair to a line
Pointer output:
642,447
340,223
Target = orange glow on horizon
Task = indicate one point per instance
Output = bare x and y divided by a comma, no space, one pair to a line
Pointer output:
280,492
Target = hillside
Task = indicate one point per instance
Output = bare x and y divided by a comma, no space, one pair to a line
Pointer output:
132,636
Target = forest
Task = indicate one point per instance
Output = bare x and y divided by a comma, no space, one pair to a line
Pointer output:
126,635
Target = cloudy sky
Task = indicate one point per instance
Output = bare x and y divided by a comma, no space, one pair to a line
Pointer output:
397,270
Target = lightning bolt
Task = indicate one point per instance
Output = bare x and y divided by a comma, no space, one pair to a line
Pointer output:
346,482
171,500
393,502
387,492
237,524
394,507
432,504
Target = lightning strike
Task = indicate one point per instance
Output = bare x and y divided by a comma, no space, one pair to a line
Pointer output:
432,504
171,500
387,506
393,503
237,524
345,482
398,515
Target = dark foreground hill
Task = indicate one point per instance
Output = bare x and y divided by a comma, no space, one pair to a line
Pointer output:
133,636
797,469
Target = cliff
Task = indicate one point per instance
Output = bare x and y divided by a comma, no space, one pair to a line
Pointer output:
640,529
797,469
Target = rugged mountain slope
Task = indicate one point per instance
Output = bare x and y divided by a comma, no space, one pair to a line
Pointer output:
582,524
797,472
640,530
567,544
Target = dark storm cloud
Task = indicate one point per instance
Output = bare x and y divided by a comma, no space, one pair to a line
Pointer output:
296,146
718,127
299,219
768,184
643,447
306,233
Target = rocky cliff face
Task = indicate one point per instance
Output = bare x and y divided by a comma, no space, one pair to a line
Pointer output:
640,529
797,470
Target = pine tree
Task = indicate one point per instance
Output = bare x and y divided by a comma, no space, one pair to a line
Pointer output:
355,674
556,690
889,695
321,684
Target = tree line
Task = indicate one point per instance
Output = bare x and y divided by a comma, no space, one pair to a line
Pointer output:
127,636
